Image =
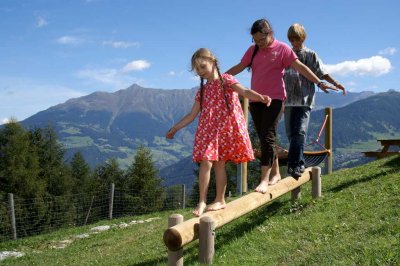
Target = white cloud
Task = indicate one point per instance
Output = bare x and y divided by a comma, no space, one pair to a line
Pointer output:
22,98
114,78
351,83
120,44
70,40
388,51
178,73
111,78
105,75
136,65
40,22
373,66
4,120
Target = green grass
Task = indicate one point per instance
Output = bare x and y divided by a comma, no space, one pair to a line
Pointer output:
78,142
355,222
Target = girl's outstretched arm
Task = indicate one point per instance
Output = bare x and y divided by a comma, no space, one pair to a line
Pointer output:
252,95
186,120
306,72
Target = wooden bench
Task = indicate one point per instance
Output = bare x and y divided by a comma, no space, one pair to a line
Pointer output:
385,143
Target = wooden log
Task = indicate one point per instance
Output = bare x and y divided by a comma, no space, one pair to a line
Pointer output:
179,235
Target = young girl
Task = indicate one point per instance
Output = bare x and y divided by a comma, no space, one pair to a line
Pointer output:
267,58
221,134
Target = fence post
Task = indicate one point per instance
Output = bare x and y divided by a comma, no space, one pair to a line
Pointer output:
296,194
239,180
316,182
175,258
206,240
244,165
183,196
12,215
111,202
328,141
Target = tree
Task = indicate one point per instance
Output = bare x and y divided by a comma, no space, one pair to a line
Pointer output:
54,172
83,188
81,175
109,172
174,198
19,163
106,174
19,174
145,187
51,161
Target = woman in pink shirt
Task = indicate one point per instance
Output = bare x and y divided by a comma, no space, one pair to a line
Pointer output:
267,60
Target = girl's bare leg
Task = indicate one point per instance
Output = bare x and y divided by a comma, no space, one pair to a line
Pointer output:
276,175
204,180
220,183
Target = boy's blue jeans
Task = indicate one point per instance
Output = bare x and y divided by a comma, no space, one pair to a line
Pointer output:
296,124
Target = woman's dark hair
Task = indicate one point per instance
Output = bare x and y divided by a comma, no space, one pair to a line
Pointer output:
262,26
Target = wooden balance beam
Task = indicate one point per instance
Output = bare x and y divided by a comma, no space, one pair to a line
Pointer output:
181,234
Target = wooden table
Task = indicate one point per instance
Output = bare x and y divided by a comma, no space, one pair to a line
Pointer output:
386,143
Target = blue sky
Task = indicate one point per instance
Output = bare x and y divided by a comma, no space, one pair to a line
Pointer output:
53,50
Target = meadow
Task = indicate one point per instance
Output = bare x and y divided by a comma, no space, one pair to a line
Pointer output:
355,222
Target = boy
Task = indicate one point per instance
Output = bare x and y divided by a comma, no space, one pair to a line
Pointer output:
301,98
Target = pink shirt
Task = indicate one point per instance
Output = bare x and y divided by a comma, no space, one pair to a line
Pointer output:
268,68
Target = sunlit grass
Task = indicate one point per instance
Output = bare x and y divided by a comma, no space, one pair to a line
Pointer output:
355,222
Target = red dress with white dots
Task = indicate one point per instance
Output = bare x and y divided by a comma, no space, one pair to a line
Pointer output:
221,133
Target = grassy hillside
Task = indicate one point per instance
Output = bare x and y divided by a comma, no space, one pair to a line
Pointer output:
356,222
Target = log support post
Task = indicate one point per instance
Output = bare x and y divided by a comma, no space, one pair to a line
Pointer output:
175,258
296,194
206,240
316,182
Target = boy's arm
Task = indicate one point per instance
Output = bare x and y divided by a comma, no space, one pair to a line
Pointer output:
334,82
186,120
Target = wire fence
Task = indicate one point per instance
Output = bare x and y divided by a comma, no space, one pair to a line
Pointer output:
27,217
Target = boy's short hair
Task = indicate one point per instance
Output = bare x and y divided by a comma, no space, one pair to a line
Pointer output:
297,31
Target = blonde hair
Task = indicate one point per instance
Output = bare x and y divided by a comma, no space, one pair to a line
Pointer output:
206,54
203,53
297,31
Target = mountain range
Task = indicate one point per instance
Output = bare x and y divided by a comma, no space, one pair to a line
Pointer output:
113,125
